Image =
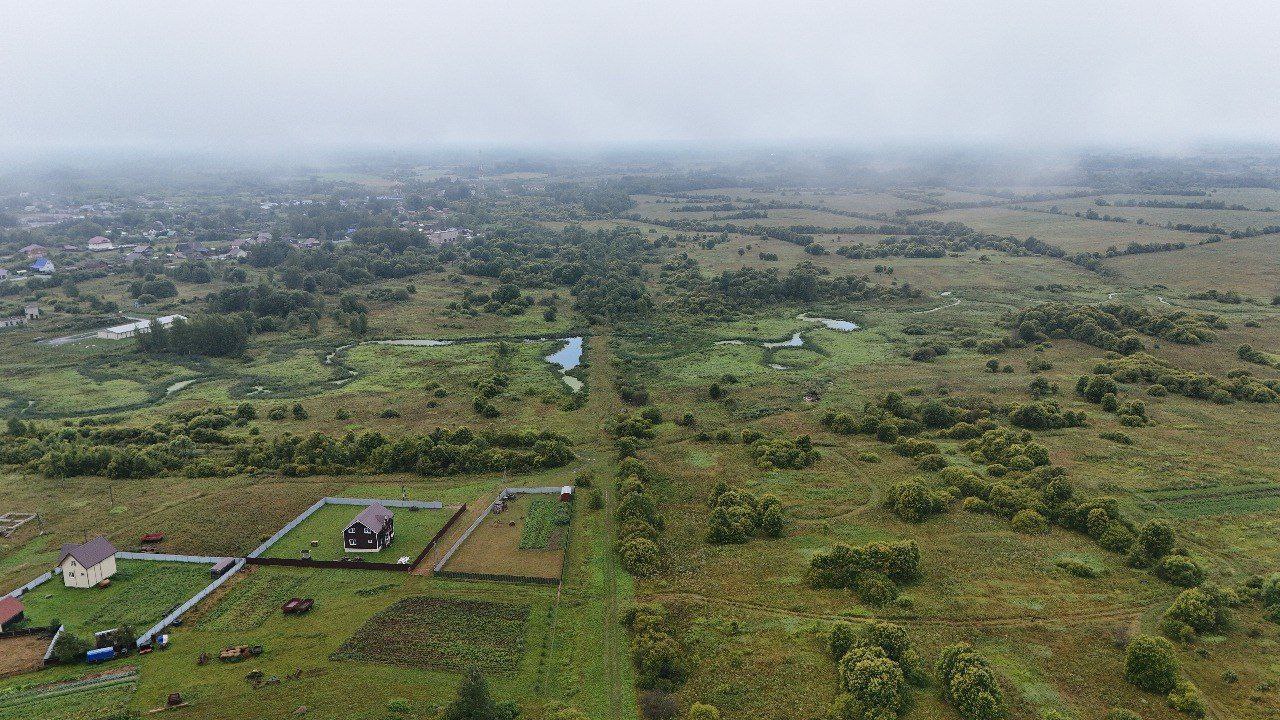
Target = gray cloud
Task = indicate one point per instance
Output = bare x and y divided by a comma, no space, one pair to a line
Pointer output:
239,75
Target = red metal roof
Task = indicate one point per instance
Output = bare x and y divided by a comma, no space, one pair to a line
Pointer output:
10,608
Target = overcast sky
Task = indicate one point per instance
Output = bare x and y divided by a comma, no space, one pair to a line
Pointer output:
231,75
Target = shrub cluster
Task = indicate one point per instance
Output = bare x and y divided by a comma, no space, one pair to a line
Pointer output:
913,502
737,515
1151,664
783,453
1198,610
873,570
969,684
1109,326
639,525
657,655
875,666
1045,415
1238,385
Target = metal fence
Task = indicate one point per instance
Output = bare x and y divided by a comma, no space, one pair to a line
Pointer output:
31,585
48,653
146,637
165,557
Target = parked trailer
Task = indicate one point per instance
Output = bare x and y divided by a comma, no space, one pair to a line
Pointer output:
100,655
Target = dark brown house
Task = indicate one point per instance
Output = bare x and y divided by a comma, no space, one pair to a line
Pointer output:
370,531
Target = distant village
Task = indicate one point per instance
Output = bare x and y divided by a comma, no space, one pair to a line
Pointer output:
122,243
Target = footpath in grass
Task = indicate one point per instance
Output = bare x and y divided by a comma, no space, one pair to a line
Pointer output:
413,528
140,594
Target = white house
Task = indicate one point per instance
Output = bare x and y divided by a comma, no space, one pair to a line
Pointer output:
120,332
84,566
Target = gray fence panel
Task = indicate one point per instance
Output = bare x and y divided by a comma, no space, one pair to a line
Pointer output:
31,585
48,654
168,619
421,505
202,559
285,530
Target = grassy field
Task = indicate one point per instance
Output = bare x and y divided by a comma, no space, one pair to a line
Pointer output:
752,631
141,593
1070,233
1226,219
414,529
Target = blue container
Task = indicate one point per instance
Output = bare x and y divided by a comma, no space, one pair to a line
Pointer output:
100,655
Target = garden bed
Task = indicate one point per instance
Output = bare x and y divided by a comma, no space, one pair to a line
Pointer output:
442,634
521,541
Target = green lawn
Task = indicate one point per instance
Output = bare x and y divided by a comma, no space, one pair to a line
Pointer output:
346,602
141,593
414,529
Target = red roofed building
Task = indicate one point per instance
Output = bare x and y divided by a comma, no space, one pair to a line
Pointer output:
11,610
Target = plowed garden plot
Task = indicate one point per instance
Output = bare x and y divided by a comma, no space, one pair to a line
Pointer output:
522,541
22,653
441,634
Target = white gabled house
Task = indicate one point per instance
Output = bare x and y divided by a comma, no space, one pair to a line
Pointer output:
84,566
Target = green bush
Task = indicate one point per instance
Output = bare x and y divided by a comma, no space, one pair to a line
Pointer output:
1029,522
1185,698
969,684
912,502
1180,570
1151,664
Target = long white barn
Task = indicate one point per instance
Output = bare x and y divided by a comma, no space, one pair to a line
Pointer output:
120,332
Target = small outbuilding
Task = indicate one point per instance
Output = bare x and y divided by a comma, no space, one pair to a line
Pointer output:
371,531
566,493
11,612
84,566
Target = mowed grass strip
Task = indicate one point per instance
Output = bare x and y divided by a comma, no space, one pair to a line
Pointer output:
442,634
413,528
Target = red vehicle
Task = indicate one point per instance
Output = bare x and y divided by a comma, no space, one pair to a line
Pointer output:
152,538
297,606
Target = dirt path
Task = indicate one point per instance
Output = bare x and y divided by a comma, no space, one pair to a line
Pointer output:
604,403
